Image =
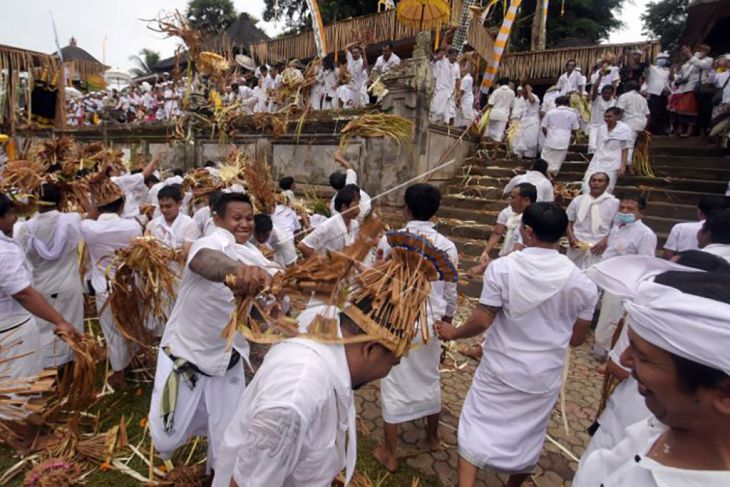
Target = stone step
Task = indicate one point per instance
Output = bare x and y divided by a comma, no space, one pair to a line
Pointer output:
474,203
458,229
691,147
467,215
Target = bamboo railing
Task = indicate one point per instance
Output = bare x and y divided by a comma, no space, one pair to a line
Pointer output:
536,65
381,27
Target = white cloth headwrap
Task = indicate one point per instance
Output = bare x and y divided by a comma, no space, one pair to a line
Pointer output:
513,222
59,237
692,327
534,278
591,203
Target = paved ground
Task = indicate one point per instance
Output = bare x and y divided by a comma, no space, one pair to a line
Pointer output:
556,468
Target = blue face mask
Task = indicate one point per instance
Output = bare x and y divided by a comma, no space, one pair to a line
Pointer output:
625,218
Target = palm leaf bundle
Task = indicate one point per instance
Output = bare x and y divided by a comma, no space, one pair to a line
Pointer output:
23,177
393,127
642,155
142,287
580,104
176,25
260,184
77,386
201,184
54,151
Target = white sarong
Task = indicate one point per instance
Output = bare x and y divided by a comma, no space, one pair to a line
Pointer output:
611,313
502,428
412,390
70,305
495,130
116,345
554,157
206,410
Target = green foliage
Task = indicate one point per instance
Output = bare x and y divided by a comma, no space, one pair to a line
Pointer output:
211,16
144,62
664,20
297,17
590,21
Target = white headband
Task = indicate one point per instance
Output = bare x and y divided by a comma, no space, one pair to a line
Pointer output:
692,327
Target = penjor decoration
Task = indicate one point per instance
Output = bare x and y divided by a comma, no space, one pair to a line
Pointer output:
499,45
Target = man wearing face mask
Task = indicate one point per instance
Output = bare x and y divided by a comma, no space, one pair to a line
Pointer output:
628,236
657,85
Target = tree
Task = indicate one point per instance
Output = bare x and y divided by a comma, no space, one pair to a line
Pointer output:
297,17
144,62
211,16
583,21
664,20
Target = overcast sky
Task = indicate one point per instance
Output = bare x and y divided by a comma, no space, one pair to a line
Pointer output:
27,24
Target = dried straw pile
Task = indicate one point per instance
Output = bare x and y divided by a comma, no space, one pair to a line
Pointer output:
393,127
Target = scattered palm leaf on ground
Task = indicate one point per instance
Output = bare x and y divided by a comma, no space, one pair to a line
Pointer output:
393,127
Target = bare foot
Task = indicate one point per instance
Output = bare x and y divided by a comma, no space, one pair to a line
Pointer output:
385,459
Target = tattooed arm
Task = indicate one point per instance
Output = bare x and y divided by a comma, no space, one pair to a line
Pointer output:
215,266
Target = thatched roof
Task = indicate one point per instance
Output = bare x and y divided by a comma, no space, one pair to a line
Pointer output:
73,52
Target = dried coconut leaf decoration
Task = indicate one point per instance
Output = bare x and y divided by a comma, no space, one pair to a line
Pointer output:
260,184
391,298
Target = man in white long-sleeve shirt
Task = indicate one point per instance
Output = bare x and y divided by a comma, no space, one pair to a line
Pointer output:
387,60
628,236
538,177
558,127
500,102
412,390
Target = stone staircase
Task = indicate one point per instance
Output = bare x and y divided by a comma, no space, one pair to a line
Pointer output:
685,170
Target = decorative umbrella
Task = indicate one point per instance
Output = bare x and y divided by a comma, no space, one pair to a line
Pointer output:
118,78
423,14
72,92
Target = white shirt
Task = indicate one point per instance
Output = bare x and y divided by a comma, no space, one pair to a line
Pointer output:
527,350
683,236
518,107
719,250
560,124
545,191
501,102
365,200
583,229
201,217
358,74
632,239
135,192
657,80
628,464
16,276
512,235
721,81
286,220
442,300
636,110
695,71
285,253
384,66
607,79
331,235
203,308
182,230
598,109
51,229
609,147
290,426
103,237
532,109
569,83
445,74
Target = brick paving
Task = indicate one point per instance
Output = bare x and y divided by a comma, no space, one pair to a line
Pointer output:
555,468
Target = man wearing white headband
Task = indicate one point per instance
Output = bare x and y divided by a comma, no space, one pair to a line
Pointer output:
678,353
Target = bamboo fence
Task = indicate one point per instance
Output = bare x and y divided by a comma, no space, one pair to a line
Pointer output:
549,64
380,27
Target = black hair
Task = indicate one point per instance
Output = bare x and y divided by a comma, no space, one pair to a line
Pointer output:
346,196
562,101
328,64
220,204
178,172
151,180
640,200
423,200
540,165
452,51
213,197
713,285
548,221
503,81
263,223
209,164
528,190
286,183
172,191
615,110
717,224
51,193
604,174
702,260
338,180
571,61
708,204
113,207
6,204
631,85
389,45
608,88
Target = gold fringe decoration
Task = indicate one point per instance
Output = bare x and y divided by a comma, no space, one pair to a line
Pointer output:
642,155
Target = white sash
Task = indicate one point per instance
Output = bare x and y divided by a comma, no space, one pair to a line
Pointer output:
592,204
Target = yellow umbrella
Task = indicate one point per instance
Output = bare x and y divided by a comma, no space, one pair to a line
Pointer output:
423,14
